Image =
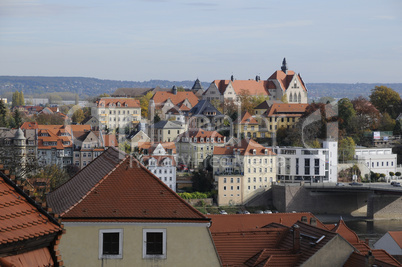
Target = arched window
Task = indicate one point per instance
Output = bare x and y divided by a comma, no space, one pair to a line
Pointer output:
290,97
299,98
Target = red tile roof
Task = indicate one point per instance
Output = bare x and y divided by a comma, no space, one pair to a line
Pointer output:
177,100
251,87
24,226
114,102
244,222
246,118
346,232
359,259
115,186
245,147
284,79
151,146
200,133
38,257
284,109
397,236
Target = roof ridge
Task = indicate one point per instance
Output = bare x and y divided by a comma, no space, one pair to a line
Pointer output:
94,187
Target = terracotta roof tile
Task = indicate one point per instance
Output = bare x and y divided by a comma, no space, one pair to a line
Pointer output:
346,232
358,259
114,102
243,222
112,187
245,147
38,257
200,133
21,219
284,79
246,118
161,97
397,236
252,87
282,109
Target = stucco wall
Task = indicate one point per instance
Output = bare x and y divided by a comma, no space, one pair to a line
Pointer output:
187,245
335,253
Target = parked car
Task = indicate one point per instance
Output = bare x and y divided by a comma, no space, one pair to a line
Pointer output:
267,212
222,212
397,184
246,212
340,184
355,183
259,212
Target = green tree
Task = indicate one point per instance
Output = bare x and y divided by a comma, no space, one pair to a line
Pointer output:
16,99
17,118
54,174
392,174
217,104
346,113
398,128
157,118
397,174
386,123
346,149
3,113
55,99
386,100
78,116
103,95
202,182
21,99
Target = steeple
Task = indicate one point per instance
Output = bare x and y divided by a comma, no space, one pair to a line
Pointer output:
174,90
284,66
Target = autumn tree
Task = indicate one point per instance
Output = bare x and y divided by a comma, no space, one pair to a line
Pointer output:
49,119
386,100
144,103
78,116
18,99
217,104
367,114
3,113
386,123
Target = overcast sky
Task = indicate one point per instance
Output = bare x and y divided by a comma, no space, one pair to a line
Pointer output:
326,41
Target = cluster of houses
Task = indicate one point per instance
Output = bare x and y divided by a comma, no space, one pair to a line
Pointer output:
123,215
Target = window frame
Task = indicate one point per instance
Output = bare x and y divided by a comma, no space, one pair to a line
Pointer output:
144,247
110,256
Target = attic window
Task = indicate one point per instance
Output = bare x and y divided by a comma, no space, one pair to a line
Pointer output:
254,151
266,151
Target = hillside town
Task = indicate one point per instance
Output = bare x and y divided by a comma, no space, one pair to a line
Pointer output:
235,174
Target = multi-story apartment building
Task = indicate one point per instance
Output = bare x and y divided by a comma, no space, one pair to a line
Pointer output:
194,146
55,145
88,145
281,85
160,159
18,150
166,131
117,112
243,171
162,102
247,127
277,116
312,164
377,160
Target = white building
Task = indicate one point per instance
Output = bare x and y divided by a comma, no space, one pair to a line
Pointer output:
117,112
391,242
377,160
160,159
317,164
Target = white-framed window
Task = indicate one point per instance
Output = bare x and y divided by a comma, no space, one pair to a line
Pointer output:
154,244
111,243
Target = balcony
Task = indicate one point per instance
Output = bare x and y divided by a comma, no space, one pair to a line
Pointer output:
103,115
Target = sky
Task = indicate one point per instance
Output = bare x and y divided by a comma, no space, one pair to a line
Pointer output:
354,41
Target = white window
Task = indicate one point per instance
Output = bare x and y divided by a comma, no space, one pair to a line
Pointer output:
154,244
111,244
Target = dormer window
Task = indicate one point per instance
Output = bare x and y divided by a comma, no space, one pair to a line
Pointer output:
219,139
254,151
202,140
266,151
207,139
212,140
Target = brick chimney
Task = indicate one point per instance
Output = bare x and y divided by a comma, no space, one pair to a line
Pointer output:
296,238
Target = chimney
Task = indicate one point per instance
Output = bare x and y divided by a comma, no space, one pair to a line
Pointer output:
232,78
174,90
370,259
313,221
257,78
296,238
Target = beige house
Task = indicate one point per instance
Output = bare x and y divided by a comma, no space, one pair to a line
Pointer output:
123,215
243,171
193,147
166,131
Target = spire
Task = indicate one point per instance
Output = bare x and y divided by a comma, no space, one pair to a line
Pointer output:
284,65
174,90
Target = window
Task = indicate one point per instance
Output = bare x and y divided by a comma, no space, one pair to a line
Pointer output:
111,243
154,243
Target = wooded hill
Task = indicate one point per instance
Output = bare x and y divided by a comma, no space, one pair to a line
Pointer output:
89,87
